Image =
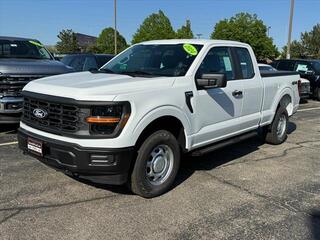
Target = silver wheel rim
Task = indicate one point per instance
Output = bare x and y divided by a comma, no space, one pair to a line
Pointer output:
282,125
160,164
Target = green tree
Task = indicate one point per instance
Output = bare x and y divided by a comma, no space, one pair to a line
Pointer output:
311,42
105,41
296,50
307,47
68,42
155,26
51,49
247,28
93,48
185,31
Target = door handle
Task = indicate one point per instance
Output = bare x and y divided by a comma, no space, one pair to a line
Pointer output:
237,93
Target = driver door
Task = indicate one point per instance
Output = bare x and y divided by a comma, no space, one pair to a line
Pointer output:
218,109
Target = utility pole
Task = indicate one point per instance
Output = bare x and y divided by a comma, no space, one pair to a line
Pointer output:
115,27
269,31
290,29
199,35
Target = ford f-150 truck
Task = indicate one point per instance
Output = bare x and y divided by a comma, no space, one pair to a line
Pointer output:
22,60
131,121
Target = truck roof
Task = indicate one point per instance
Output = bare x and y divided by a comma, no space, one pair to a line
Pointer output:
195,41
16,38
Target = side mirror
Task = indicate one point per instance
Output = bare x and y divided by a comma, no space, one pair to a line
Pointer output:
207,81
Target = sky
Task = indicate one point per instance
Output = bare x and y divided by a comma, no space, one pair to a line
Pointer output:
43,19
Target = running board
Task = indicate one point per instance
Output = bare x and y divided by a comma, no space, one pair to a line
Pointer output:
224,143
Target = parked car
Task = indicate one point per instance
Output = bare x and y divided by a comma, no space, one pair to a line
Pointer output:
265,67
22,60
86,62
304,84
130,121
308,69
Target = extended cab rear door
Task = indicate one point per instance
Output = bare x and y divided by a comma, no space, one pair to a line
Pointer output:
253,88
217,109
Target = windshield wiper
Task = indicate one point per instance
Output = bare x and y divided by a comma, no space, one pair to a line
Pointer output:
138,72
102,70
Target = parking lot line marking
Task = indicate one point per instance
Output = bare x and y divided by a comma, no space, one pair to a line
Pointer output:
309,109
8,143
4,133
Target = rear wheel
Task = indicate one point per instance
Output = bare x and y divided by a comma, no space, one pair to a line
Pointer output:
277,131
156,165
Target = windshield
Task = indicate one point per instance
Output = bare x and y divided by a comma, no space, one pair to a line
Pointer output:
154,60
316,66
23,49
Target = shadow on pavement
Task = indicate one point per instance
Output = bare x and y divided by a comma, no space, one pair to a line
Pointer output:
207,162
303,101
217,158
112,188
189,164
8,128
291,127
315,224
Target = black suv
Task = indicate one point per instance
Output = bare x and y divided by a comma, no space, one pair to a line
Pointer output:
309,69
22,60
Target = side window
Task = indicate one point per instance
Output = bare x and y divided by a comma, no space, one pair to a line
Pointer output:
102,60
286,65
302,67
218,60
78,63
245,62
90,63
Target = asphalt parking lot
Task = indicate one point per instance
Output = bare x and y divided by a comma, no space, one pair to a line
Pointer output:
250,190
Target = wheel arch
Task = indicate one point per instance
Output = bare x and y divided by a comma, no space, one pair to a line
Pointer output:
166,118
285,100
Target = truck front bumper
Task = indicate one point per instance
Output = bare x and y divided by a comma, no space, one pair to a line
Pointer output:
10,109
107,166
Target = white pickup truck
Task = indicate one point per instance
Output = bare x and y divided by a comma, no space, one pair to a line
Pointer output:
131,121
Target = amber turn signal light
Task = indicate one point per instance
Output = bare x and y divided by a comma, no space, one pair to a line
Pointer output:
103,120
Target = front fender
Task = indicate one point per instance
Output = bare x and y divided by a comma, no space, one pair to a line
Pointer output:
167,110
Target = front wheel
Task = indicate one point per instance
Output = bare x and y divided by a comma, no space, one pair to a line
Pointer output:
156,165
278,130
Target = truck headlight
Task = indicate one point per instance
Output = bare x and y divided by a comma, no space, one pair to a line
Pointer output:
109,119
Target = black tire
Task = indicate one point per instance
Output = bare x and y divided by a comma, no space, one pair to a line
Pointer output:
273,136
317,93
142,184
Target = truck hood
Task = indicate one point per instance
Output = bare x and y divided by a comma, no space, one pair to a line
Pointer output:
16,66
96,86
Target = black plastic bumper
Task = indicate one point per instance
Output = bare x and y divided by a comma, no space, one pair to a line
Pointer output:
10,118
304,95
108,166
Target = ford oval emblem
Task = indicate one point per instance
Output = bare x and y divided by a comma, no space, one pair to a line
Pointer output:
40,113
